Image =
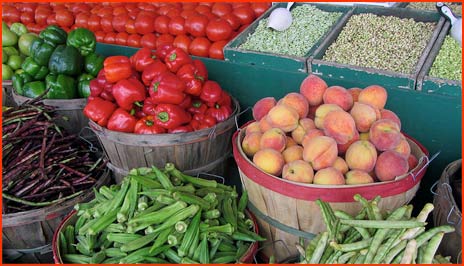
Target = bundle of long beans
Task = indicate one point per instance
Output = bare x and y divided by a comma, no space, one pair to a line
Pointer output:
41,163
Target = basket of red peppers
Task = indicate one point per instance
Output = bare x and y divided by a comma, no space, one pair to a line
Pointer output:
159,106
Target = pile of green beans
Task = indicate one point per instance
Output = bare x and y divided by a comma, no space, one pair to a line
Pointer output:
448,63
372,237
160,216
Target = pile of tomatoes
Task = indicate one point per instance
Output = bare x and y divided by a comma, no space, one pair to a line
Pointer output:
201,29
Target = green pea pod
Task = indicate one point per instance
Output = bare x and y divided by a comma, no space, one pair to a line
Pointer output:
66,60
41,51
83,39
34,89
60,87
83,88
18,28
53,35
93,63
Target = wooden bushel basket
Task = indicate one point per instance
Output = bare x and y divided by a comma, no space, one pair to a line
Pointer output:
286,210
447,211
27,236
204,150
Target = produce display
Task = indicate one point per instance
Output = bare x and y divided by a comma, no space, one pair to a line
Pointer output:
59,66
448,63
456,7
381,42
16,41
201,29
328,136
160,216
372,237
42,164
308,26
146,95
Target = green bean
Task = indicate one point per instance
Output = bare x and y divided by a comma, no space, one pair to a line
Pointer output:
312,246
421,217
343,259
321,245
383,224
384,248
394,252
351,246
426,236
363,231
411,247
431,248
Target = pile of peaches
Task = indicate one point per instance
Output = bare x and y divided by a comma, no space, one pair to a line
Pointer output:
328,136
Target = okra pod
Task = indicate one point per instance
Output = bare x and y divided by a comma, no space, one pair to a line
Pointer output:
242,203
130,201
139,243
179,216
215,243
228,212
192,229
227,247
76,258
181,226
188,188
226,229
198,182
119,198
211,214
166,200
136,256
154,193
115,252
111,260
158,216
70,241
202,192
107,192
97,257
224,259
175,238
146,181
186,260
192,199
102,222
115,228
242,249
161,239
204,251
142,204
155,260
162,178
79,223
247,236
123,238
172,256
63,243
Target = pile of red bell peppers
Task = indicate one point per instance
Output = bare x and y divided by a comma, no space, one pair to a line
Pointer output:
156,92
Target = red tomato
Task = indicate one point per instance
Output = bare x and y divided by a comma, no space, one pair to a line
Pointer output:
80,7
200,47
100,35
164,39
119,11
218,30
27,7
240,4
148,40
176,26
35,28
189,6
106,23
133,40
121,38
131,7
188,13
233,21
173,12
216,50
119,22
27,18
210,4
202,9
220,9
144,23
41,14
162,24
196,25
134,13
94,23
105,11
244,14
64,18
182,42
110,38
51,20
130,26
259,8
82,20
163,10
147,7
11,14
210,16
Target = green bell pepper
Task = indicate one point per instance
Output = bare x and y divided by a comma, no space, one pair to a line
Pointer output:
36,71
66,60
18,28
53,35
83,85
93,63
33,89
41,51
19,79
83,39
60,87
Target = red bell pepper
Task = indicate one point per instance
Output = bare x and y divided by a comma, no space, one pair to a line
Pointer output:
122,121
186,103
176,58
204,121
225,100
127,92
142,58
221,113
170,116
116,68
194,70
152,70
193,87
149,106
181,129
99,110
138,112
197,107
211,92
162,51
95,88
147,125
167,88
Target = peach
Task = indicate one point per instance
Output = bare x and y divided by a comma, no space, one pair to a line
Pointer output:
374,95
313,88
275,139
290,142
340,126
311,134
269,161
264,124
304,125
361,155
312,111
387,114
339,96
322,111
320,152
412,161
403,147
357,177
298,171
385,134
252,127
297,101
354,93
283,117
293,153
262,107
343,147
364,136
329,176
364,116
390,164
251,143
340,165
